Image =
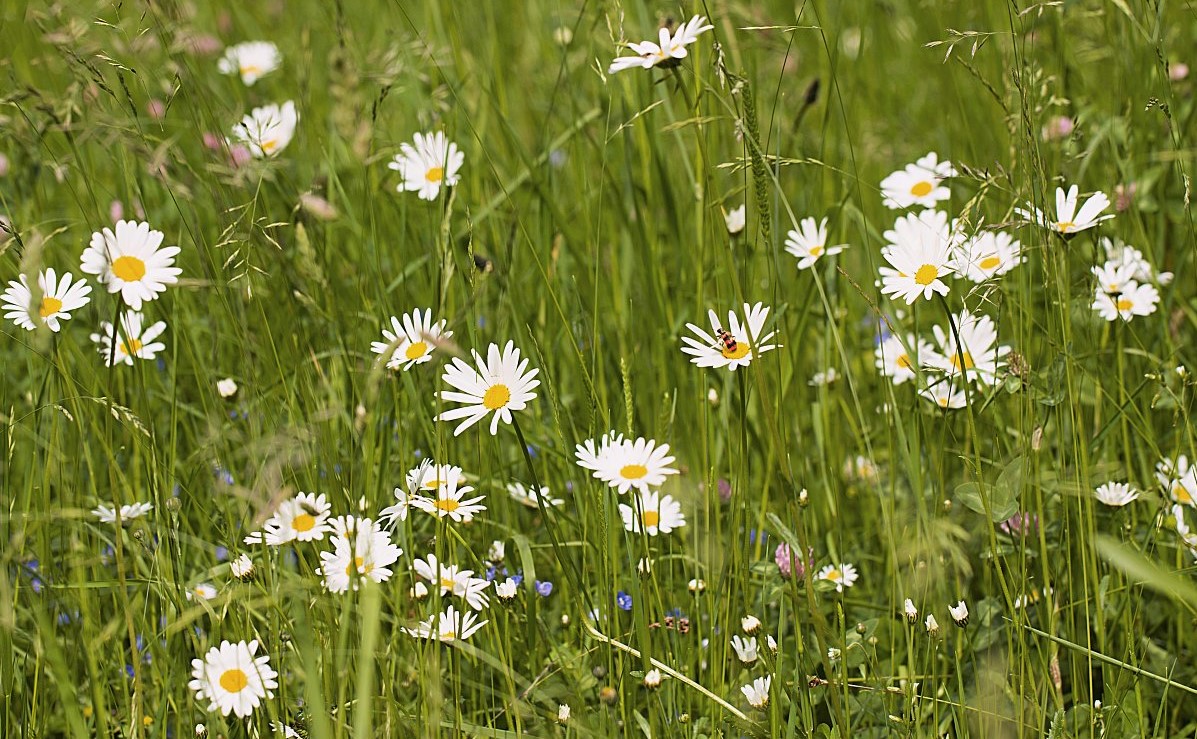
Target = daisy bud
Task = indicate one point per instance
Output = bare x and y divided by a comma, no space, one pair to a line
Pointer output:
713,396
201,730
563,711
652,679
771,643
932,625
912,613
697,586
959,613
750,625
226,387
803,498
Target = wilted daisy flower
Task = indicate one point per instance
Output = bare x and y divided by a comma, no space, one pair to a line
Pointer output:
129,262
918,183
232,679
454,581
757,692
1134,300
501,384
251,60
1115,494
528,496
302,518
669,50
842,576
893,360
656,514
1068,222
366,553
746,649
450,501
920,250
945,392
431,162
131,340
983,358
627,464
988,255
267,130
1178,479
448,626
733,344
912,613
810,243
128,512
58,299
412,341
735,219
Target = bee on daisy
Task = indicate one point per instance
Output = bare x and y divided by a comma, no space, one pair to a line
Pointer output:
500,384
59,297
733,344
921,254
431,162
652,514
809,243
132,339
131,260
668,51
918,184
411,341
267,130
1067,220
251,60
232,679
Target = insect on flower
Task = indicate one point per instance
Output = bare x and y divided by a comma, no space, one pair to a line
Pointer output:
727,340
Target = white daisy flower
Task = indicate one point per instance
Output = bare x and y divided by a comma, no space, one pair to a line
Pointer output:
932,624
58,299
810,243
594,454
657,515
252,60
412,341
563,712
453,581
432,162
302,518
285,730
920,250
203,591
405,501
736,219
501,384
1119,254
750,624
669,50
1068,222
528,497
131,340
652,679
639,464
918,184
242,568
1115,494
987,255
450,501
128,512
1178,479
366,553
945,392
232,679
129,262
982,356
824,377
1134,300
959,613
842,576
757,692
893,360
227,387
912,613
506,590
1113,277
746,649
428,477
267,130
449,626
732,344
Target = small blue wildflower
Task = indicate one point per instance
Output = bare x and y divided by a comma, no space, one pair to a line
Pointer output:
222,553
624,601
544,589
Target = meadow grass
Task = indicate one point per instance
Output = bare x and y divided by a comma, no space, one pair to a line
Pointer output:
588,228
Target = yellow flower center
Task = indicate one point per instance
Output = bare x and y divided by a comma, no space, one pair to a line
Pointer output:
129,269
926,275
433,484
269,145
49,307
968,361
496,397
448,635
303,522
834,575
651,519
1065,226
1123,304
904,362
815,251
633,471
131,346
1182,494
739,352
416,350
435,174
234,680
250,69
448,505
447,583
921,189
989,263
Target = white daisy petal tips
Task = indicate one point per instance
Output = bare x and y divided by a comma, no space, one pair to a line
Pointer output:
411,342
918,184
131,340
1068,221
809,243
667,51
921,252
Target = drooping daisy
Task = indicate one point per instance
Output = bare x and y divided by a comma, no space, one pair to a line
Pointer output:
1115,494
656,515
987,255
757,692
302,518
1068,222
842,576
454,581
432,162
918,184
131,340
639,464
232,679
450,501
529,497
412,341
735,219
366,553
58,299
449,626
129,262
732,344
267,130
945,392
128,512
669,50
810,243
982,356
252,60
920,251
501,384
746,649
1134,300
894,361
1178,479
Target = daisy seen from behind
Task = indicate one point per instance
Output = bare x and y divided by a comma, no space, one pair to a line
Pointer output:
411,341
918,184
267,130
500,384
733,344
449,626
432,161
231,679
920,251
656,514
130,340
1068,221
667,51
58,298
809,243
128,260
251,60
